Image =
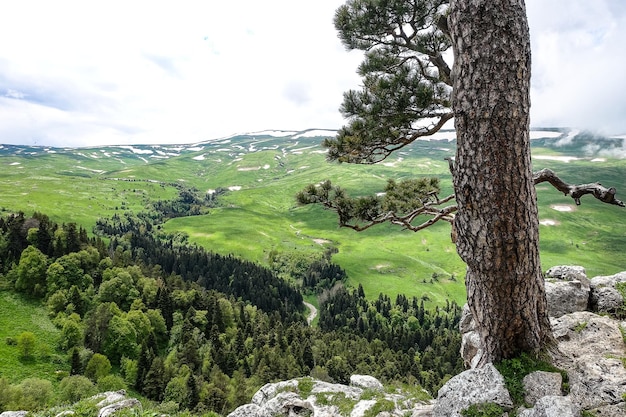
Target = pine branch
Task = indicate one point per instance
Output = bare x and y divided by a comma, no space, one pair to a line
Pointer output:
429,208
606,195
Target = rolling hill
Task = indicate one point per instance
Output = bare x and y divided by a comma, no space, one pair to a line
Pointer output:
259,174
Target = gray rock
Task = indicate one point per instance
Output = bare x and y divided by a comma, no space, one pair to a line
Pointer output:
471,346
591,349
540,384
361,408
552,406
567,290
475,386
425,410
268,391
471,349
13,414
611,410
109,397
366,382
287,404
106,411
567,273
466,324
283,399
605,298
247,410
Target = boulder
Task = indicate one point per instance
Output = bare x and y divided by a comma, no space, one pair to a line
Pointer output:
246,410
567,273
567,290
552,406
475,386
591,348
541,384
287,404
284,399
605,297
109,397
107,410
366,382
13,413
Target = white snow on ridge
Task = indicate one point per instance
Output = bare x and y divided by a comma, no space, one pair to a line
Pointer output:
199,158
315,132
137,151
276,133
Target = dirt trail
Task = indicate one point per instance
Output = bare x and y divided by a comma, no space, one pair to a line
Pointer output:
312,314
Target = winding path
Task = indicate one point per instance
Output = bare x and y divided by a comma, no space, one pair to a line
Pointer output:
312,314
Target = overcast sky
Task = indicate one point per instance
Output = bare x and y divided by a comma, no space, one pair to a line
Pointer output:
82,73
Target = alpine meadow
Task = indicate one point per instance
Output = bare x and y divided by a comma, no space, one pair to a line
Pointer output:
179,272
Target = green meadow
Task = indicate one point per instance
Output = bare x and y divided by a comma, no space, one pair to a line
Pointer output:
258,213
19,315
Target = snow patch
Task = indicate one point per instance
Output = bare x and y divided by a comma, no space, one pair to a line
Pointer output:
563,207
15,163
598,160
548,222
234,188
138,151
276,133
199,158
266,166
565,159
315,133
97,171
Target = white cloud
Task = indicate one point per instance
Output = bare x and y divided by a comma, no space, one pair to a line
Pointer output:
578,60
87,73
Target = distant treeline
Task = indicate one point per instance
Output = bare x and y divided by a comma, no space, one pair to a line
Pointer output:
202,331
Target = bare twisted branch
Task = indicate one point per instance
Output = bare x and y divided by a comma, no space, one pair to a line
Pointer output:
606,195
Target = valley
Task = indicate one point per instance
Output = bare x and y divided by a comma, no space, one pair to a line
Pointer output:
256,176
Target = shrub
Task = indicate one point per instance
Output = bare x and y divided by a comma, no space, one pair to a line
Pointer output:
111,383
97,367
26,344
75,387
31,394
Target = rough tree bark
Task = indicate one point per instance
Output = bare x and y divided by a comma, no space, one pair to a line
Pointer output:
496,226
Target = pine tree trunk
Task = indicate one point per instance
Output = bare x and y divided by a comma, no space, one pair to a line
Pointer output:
497,225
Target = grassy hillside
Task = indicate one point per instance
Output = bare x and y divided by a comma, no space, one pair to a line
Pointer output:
19,315
258,214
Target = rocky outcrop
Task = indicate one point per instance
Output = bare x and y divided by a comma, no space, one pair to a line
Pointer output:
552,406
592,349
605,295
309,397
567,290
541,384
107,403
366,382
591,346
475,386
